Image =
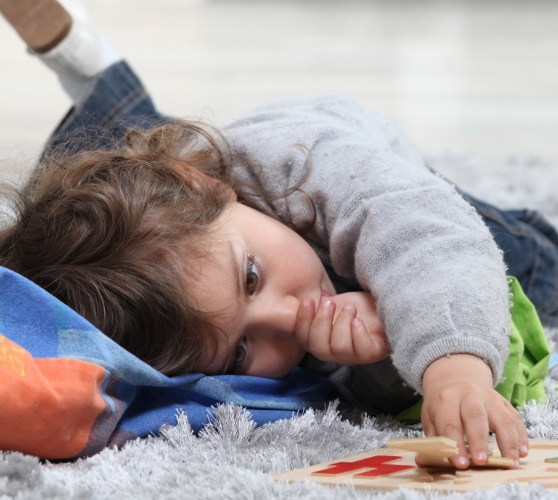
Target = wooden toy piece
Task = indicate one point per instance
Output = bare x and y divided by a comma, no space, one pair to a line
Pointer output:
541,444
432,451
499,462
435,451
391,468
374,467
42,24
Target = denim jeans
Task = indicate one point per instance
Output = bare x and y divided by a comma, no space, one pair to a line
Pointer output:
119,101
530,246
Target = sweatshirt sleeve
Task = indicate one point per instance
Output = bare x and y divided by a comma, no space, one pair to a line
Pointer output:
387,221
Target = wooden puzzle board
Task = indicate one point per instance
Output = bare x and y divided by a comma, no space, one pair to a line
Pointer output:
533,469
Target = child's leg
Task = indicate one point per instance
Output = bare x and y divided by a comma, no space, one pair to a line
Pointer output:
108,96
77,53
530,246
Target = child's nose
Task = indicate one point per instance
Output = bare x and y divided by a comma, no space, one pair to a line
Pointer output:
278,318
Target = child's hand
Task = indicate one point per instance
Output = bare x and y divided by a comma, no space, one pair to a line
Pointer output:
459,399
344,329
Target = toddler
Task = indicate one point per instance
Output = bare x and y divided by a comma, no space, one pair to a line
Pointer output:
308,232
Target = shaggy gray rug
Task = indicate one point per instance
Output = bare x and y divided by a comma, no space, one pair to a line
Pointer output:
232,459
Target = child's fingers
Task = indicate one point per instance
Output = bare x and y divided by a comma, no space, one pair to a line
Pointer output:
506,422
303,322
428,426
475,421
447,422
367,348
319,338
341,344
521,430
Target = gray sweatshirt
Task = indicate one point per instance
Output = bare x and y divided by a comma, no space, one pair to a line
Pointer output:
386,224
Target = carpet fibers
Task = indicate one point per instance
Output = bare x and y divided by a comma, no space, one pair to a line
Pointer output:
232,459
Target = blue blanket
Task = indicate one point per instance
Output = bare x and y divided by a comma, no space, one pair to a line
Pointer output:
68,390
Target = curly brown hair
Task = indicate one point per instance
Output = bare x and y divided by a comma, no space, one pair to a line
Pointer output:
107,232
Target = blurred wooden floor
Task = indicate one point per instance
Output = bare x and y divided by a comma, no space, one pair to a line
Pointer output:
458,75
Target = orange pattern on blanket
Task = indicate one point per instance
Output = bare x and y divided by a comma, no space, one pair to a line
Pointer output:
48,405
12,356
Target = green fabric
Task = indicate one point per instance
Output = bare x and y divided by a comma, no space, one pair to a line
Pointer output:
527,363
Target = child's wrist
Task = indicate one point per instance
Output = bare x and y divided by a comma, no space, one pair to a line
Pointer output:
456,369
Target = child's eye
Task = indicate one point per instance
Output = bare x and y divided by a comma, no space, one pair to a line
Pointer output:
240,353
252,276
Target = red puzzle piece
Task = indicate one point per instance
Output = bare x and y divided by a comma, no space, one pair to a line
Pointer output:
378,464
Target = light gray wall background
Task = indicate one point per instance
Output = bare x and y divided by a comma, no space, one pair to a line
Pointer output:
460,76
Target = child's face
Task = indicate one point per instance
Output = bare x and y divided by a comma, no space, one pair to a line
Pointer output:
256,273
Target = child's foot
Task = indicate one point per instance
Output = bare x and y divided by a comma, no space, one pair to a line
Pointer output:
86,49
77,55
82,55
42,24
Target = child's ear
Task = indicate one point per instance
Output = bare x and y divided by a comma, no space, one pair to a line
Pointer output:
199,178
196,178
231,193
